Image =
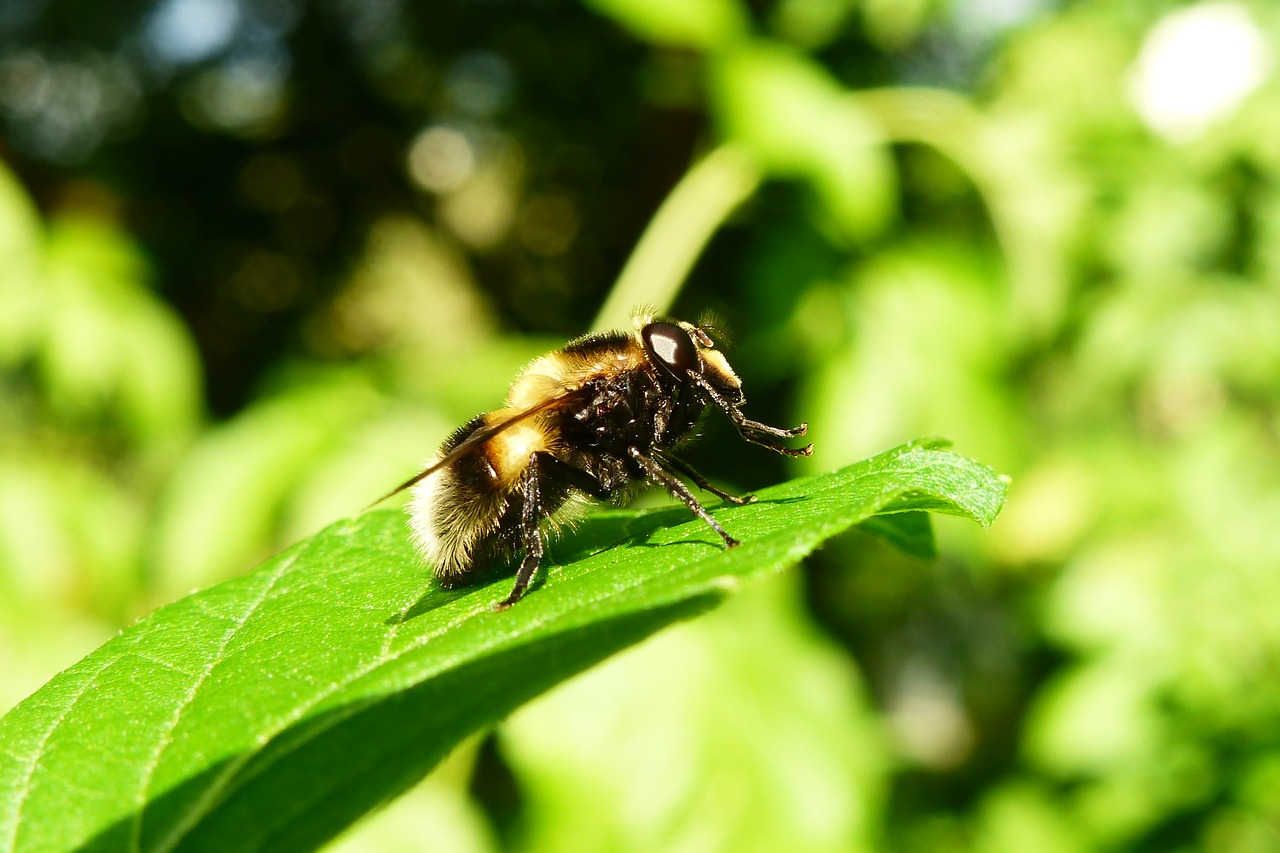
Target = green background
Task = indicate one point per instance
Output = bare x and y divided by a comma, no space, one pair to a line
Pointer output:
255,267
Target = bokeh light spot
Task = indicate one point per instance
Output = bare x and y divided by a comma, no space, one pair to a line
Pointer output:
186,31
1196,67
441,158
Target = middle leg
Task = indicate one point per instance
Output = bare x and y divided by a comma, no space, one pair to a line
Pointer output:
701,481
672,484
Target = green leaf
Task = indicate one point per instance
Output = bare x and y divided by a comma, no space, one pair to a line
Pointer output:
909,532
271,711
225,499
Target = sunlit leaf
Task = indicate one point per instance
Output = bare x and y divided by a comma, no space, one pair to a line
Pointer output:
270,711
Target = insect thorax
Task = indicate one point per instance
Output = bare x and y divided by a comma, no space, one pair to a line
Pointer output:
626,410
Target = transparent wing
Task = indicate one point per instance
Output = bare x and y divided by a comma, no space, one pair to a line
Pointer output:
479,437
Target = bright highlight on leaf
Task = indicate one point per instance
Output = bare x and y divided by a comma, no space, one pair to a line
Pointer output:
271,711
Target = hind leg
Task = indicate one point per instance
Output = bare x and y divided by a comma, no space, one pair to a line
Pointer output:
531,537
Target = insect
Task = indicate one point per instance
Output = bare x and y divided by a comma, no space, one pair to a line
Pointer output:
590,420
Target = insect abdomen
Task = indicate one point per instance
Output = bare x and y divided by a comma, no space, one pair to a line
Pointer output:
451,511
457,514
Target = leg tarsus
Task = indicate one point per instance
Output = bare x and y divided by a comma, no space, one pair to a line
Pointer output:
755,438
758,427
672,484
754,431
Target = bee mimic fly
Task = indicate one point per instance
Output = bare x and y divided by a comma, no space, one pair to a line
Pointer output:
590,420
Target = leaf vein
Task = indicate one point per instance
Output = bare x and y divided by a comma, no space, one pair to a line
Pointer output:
34,762
382,660
222,783
166,734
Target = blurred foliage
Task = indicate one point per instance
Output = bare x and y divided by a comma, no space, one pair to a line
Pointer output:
260,255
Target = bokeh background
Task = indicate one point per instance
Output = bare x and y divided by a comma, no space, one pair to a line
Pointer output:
257,257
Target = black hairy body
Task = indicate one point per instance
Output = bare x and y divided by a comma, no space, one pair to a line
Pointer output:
591,420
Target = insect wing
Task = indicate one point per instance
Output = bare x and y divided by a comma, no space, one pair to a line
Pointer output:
477,438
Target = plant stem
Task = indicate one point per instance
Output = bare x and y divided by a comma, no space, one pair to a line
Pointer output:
696,207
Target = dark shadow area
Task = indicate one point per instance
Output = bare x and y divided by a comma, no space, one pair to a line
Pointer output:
909,532
496,790
433,597
584,539
590,537
253,218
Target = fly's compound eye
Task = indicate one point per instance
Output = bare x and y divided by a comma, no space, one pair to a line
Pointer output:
671,347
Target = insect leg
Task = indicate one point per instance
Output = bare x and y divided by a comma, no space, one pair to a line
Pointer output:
754,431
701,481
530,515
672,484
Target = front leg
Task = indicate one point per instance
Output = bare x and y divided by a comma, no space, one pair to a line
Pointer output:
753,431
672,484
